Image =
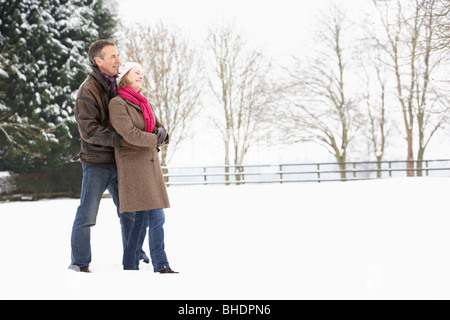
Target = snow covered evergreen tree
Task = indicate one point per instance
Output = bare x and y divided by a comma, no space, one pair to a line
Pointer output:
43,61
105,17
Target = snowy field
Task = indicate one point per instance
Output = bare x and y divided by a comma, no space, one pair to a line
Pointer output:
385,239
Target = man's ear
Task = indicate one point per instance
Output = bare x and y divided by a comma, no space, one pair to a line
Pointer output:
97,61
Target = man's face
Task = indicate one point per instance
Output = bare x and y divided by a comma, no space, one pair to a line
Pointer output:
109,61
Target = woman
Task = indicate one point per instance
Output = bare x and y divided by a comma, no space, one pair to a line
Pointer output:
141,183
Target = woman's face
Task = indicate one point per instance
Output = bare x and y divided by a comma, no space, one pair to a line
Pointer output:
136,79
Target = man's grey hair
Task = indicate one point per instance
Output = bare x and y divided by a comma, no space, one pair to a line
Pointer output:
96,50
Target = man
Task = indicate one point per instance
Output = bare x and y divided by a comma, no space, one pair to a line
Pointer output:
98,140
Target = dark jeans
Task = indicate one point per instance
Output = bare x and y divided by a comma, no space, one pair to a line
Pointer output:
95,181
154,219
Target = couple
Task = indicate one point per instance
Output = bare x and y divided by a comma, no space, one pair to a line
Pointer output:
120,140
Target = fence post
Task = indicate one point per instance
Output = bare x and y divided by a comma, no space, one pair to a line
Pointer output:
281,173
318,172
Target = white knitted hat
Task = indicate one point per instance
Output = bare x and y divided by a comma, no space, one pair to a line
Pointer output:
124,68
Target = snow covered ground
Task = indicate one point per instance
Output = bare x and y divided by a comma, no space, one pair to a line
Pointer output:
385,239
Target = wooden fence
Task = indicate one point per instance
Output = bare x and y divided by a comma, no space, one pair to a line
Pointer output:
303,172
279,173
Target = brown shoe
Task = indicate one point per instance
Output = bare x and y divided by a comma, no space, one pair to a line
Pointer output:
85,270
167,270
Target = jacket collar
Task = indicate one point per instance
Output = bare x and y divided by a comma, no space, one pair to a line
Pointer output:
96,75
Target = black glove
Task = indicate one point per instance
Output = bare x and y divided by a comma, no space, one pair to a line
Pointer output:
161,136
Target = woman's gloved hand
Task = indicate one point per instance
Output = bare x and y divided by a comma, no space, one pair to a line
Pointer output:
161,136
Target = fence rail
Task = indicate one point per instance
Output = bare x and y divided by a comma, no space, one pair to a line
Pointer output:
303,172
280,173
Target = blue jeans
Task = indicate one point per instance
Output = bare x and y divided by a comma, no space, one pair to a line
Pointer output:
154,219
95,181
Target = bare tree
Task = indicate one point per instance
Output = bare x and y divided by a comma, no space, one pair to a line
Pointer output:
238,81
325,110
172,77
438,20
376,75
377,124
408,44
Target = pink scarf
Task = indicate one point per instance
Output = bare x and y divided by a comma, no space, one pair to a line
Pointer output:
135,97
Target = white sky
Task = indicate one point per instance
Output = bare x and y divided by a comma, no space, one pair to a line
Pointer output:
279,26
